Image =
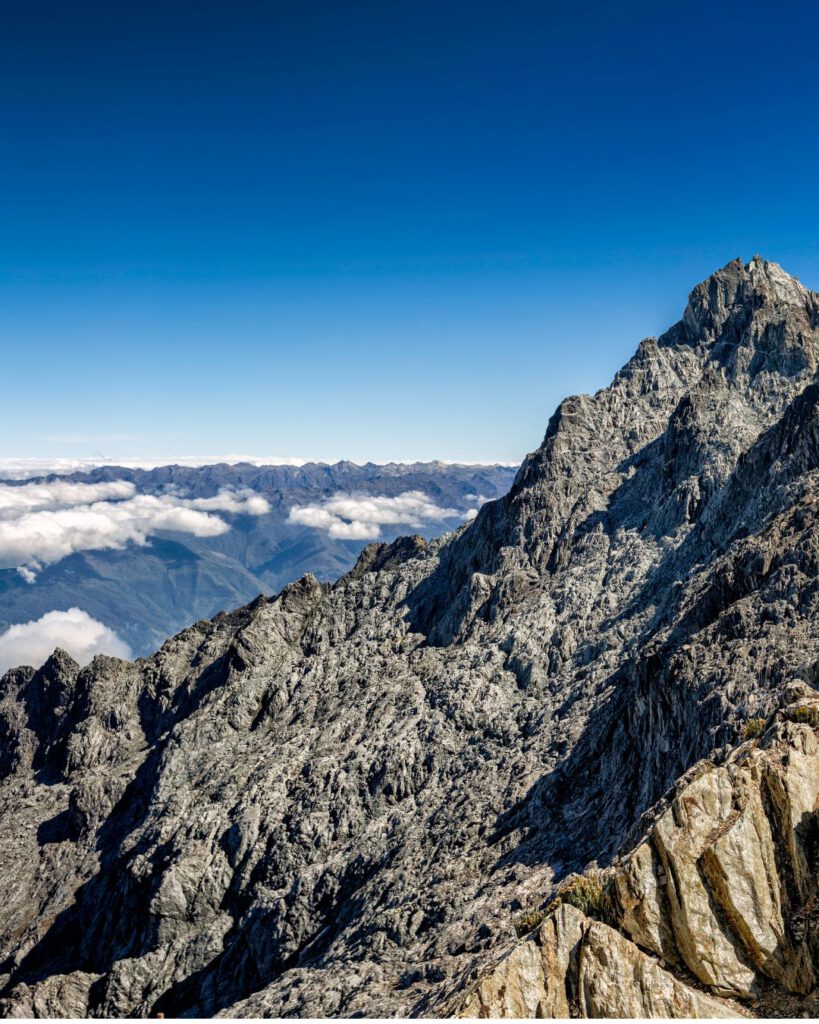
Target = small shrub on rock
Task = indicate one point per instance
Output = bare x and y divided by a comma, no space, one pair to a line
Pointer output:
590,893
805,714
754,727
527,922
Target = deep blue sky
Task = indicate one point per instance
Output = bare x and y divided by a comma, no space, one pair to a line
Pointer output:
375,229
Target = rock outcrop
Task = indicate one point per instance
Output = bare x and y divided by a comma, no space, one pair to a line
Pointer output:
577,967
721,898
341,799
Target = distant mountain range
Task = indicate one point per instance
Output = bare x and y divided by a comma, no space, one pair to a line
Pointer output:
124,567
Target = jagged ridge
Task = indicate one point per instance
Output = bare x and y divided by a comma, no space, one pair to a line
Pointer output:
337,800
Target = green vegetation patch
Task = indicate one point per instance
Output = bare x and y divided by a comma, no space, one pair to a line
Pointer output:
590,893
753,728
804,714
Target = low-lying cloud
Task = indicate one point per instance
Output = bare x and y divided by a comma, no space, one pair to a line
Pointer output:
41,523
361,516
15,500
242,502
26,468
31,643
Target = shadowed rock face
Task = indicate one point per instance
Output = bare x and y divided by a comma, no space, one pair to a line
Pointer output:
335,801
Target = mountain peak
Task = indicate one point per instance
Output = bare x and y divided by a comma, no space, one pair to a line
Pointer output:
747,346
740,294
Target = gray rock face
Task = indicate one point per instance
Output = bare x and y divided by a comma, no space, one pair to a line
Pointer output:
336,800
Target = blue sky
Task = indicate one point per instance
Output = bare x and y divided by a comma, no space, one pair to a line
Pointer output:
374,230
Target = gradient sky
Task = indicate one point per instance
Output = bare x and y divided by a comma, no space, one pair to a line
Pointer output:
375,230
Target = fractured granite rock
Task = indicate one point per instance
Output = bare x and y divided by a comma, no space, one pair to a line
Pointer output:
717,893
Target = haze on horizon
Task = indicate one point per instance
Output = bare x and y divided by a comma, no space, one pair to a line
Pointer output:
373,232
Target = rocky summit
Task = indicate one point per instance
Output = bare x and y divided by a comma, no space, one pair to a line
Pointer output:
560,762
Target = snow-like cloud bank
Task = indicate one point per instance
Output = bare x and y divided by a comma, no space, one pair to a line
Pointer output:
31,643
25,469
241,501
361,516
41,523
15,500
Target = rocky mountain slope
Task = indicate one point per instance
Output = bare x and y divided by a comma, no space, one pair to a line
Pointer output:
721,898
343,799
146,593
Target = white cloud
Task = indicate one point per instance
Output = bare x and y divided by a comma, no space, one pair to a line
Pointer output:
361,516
31,643
44,522
477,501
242,501
26,468
58,494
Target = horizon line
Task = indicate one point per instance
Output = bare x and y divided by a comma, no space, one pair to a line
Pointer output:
19,468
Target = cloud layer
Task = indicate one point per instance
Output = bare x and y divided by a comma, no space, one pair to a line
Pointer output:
31,643
361,516
40,523
26,468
